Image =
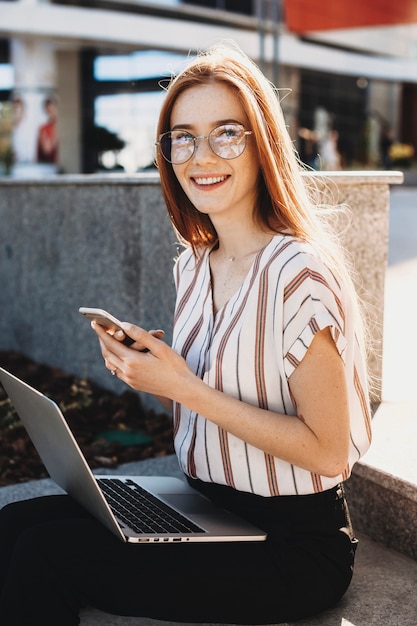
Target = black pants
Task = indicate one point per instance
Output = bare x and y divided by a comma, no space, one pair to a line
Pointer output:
55,559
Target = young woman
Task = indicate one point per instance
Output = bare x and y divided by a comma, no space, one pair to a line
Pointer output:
266,380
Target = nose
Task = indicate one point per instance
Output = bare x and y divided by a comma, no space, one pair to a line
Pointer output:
202,149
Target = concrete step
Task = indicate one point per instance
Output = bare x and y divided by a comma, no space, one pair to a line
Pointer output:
383,587
382,491
382,592
383,501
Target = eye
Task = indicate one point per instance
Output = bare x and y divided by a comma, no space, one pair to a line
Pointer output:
181,138
229,131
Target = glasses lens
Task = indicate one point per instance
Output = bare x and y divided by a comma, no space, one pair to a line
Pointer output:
228,141
176,146
165,146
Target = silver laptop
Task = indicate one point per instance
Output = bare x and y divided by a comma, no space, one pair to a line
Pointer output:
152,509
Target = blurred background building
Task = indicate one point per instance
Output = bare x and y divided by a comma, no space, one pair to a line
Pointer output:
80,81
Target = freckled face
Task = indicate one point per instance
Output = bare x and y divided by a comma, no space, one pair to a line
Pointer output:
214,185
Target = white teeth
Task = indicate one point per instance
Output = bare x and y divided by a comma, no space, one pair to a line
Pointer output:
210,181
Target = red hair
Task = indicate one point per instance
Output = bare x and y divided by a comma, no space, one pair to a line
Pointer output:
285,202
282,199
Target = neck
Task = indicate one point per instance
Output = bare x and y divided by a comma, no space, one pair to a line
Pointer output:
243,247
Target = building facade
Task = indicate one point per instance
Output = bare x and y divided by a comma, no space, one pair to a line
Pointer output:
86,75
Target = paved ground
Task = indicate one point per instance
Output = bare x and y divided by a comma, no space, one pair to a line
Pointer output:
401,296
395,427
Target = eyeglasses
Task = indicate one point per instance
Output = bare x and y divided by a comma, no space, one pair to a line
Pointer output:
227,141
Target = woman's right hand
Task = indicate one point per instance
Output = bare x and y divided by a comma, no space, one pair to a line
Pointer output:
148,365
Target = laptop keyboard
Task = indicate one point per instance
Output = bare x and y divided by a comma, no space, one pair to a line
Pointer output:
142,511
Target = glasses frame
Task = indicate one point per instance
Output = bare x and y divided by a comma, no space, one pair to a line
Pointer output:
195,138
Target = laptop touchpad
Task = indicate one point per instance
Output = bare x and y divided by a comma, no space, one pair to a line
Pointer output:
188,503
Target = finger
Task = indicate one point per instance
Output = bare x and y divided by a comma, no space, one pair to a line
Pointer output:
140,346
109,345
123,338
148,340
110,366
128,341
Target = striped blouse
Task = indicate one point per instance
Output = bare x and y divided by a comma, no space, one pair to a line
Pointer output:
249,349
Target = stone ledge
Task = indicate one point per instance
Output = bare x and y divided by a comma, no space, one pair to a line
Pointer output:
343,177
46,276
381,511
363,177
382,490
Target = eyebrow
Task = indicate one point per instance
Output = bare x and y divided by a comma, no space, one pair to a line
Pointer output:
215,124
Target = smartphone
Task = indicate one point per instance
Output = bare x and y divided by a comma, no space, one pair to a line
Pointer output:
106,320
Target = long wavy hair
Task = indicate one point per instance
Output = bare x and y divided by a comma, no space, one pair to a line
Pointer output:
286,199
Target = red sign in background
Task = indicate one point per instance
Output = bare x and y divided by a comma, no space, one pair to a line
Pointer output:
309,15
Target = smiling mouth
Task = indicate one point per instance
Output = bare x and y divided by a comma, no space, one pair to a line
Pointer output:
209,180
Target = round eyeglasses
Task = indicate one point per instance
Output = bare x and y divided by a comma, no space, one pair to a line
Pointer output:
227,141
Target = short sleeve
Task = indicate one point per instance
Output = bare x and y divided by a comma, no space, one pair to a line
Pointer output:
312,302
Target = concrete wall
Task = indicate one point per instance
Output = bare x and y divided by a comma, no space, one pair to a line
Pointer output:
106,241
81,241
